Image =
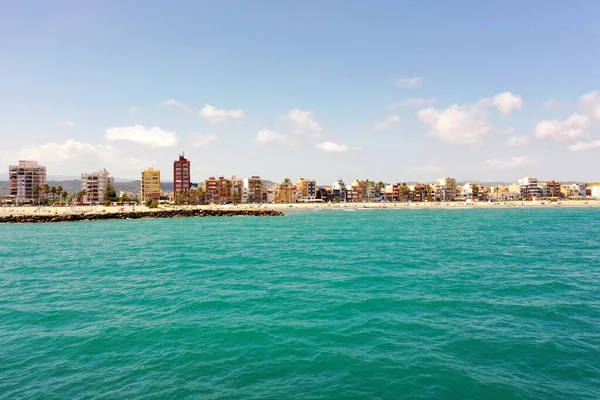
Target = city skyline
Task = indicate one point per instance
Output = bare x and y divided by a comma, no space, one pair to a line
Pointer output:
393,92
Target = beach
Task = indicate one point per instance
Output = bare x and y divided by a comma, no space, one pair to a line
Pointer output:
62,210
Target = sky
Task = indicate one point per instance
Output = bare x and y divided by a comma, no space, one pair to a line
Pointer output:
383,90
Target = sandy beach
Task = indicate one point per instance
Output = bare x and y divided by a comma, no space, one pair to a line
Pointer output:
56,210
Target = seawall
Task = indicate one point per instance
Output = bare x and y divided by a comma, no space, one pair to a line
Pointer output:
16,219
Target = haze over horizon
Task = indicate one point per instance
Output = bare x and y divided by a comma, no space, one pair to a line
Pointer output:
387,90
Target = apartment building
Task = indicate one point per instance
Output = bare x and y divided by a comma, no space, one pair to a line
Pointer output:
550,189
254,190
446,188
150,185
338,190
223,190
307,188
529,187
23,179
94,186
181,175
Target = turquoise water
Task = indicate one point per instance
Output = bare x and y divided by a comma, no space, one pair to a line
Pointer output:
452,304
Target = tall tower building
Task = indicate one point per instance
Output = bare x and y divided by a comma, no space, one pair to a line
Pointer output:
150,184
22,180
181,175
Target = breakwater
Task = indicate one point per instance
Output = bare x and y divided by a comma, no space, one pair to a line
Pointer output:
74,217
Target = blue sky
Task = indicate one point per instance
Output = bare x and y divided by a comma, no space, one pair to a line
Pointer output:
384,90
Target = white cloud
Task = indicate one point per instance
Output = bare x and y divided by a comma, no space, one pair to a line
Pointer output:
153,137
73,157
417,101
505,102
510,163
304,123
590,104
176,104
466,124
71,150
134,109
215,115
582,146
389,121
68,123
199,140
408,82
331,147
266,136
552,104
515,141
575,126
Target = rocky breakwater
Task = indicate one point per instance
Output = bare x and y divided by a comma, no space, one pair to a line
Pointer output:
16,219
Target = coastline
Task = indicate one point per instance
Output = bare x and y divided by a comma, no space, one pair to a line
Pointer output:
124,212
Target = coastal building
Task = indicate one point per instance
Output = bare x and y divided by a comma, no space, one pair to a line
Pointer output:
307,188
529,187
357,191
284,193
150,185
596,191
447,189
550,189
255,190
25,181
573,190
420,192
371,191
470,191
338,191
94,186
181,175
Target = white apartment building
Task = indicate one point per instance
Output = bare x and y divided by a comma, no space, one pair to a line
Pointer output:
23,179
94,185
529,187
596,191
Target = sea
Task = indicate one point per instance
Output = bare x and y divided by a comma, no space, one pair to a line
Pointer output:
319,304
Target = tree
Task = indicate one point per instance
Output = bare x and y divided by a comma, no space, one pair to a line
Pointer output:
235,197
46,191
59,190
79,196
53,193
64,196
110,194
37,189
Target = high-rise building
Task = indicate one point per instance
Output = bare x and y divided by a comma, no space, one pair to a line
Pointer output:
23,179
181,175
150,184
94,185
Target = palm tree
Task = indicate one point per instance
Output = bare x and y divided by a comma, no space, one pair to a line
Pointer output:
53,193
235,197
59,190
37,189
79,196
64,196
46,192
